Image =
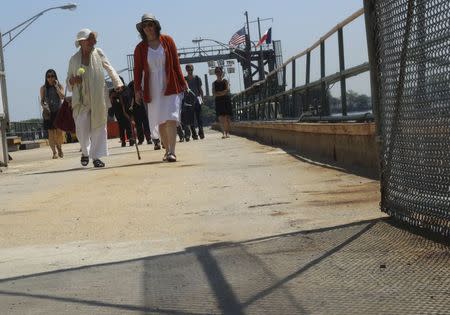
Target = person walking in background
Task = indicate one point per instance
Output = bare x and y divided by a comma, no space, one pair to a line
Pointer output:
140,118
159,81
221,92
120,109
52,95
195,85
87,82
187,116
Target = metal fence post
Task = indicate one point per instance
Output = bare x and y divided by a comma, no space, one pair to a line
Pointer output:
342,68
370,21
323,99
307,77
294,100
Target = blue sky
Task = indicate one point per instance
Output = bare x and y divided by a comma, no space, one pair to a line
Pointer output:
49,41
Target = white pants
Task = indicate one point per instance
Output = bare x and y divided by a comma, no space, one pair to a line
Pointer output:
93,142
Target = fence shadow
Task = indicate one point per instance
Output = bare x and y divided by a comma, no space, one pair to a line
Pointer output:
343,269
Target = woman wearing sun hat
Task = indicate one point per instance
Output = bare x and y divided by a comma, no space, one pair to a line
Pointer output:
159,81
86,80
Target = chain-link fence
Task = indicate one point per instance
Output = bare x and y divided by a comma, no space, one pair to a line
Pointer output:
411,77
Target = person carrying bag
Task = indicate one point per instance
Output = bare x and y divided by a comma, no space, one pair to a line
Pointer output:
51,96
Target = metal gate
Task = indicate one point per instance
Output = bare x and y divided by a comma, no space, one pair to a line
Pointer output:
409,53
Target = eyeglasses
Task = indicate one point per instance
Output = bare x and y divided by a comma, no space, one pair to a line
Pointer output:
51,76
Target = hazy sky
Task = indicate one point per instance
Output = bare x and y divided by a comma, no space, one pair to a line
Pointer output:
49,41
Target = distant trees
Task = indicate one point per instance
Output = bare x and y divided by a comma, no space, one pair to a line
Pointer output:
355,102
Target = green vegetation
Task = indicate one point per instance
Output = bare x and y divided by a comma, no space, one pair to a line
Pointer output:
33,120
355,102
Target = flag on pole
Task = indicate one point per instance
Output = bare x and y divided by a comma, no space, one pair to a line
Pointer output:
267,37
237,38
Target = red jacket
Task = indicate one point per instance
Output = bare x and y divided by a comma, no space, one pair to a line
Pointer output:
175,79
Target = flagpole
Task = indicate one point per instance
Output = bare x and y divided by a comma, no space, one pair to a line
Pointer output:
261,58
248,75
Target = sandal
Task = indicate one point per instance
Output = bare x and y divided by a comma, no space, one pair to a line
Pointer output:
171,157
84,160
98,163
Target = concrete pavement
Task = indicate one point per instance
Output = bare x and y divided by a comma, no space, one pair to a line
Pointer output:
234,227
57,214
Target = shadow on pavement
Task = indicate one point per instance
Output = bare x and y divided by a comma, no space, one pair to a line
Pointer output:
91,168
365,267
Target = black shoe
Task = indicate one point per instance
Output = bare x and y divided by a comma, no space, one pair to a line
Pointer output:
98,163
123,144
140,142
194,137
187,139
149,141
132,142
181,139
201,135
157,145
84,160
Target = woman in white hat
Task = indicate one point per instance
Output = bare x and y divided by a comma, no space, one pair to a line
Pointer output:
86,80
159,82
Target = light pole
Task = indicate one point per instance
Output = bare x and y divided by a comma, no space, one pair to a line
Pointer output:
9,37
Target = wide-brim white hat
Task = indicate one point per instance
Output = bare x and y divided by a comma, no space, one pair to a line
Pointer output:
84,34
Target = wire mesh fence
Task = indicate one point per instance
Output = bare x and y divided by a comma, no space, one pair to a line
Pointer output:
412,64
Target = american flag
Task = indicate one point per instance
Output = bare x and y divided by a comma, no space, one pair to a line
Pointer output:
237,38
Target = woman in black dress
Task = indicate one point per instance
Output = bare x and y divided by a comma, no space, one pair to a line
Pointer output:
221,92
52,94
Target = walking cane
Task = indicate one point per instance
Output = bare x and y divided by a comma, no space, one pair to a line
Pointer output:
132,123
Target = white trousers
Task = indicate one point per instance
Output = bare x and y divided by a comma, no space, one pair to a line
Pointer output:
93,142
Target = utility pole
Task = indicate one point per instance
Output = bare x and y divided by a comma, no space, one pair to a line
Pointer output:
4,115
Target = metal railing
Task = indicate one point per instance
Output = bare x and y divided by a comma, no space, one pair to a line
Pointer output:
269,100
27,131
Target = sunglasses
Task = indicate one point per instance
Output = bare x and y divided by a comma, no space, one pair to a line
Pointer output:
144,25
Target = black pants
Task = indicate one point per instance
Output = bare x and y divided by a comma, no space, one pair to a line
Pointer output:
183,131
198,118
141,120
124,127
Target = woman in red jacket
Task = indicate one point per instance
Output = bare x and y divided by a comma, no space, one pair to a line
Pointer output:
159,82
